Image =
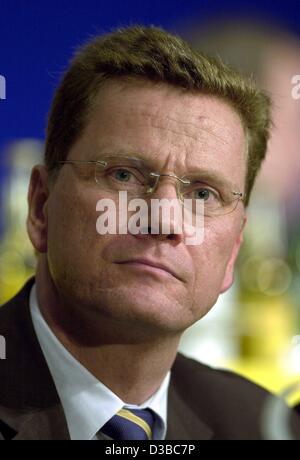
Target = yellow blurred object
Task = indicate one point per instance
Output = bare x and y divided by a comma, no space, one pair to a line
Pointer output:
272,376
267,327
267,352
17,264
17,260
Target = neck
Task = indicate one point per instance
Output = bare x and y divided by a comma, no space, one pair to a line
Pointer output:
129,362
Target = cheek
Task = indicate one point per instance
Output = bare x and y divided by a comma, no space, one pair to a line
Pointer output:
72,232
211,257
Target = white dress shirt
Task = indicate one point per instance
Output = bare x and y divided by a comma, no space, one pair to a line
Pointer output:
88,404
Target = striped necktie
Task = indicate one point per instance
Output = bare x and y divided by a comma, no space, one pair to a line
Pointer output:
130,424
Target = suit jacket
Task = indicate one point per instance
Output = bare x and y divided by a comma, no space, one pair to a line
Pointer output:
203,403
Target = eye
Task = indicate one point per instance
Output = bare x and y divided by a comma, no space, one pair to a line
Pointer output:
129,177
125,175
122,175
204,193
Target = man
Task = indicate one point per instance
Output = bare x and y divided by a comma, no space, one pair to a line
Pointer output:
92,340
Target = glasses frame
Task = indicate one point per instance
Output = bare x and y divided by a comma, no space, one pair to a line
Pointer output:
237,196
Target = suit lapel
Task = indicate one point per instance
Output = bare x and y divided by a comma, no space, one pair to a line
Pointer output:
37,425
183,422
29,403
49,424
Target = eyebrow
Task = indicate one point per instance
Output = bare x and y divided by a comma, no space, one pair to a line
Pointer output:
211,176
202,174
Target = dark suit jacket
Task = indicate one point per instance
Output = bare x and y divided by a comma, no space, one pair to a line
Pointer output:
203,403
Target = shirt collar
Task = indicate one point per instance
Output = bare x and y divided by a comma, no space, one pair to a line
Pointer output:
88,404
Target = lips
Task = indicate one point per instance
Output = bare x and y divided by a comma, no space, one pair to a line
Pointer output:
151,263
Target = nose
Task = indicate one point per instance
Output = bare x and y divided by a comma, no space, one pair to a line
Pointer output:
165,213
161,179
166,186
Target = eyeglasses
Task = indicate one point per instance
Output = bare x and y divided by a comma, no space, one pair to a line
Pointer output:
130,174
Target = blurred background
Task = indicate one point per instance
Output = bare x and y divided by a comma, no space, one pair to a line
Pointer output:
255,327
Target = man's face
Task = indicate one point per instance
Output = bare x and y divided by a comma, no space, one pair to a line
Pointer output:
174,131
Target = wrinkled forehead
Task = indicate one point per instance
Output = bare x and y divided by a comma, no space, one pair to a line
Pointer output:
169,106
168,126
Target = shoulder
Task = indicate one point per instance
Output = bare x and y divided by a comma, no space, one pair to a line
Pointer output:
231,405
195,373
12,313
221,384
21,299
24,361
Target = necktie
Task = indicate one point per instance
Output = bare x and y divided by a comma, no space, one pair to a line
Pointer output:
130,424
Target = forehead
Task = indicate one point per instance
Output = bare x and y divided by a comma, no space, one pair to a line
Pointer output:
167,126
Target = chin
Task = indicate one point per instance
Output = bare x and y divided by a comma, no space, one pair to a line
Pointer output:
146,307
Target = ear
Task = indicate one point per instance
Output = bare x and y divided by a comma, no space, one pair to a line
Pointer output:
228,277
37,219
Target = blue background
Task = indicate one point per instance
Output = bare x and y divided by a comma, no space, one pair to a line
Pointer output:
37,39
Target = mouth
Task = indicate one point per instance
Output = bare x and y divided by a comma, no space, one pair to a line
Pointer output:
152,266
